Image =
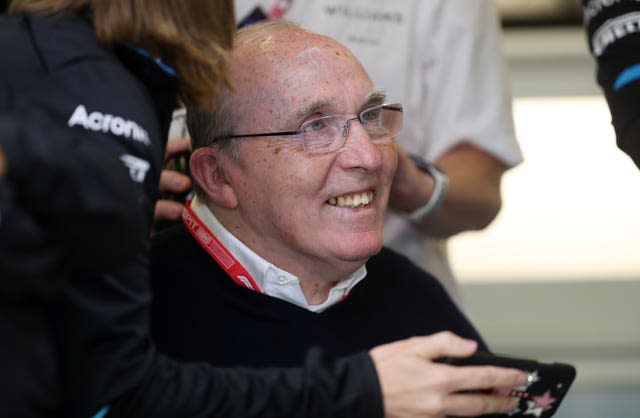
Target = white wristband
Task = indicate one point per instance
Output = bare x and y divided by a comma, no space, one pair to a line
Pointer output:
441,183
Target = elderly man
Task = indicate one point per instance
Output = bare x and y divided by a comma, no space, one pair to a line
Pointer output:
281,250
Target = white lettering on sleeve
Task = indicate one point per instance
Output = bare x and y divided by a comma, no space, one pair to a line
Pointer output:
137,167
116,125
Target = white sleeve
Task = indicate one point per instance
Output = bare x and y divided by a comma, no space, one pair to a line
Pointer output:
468,95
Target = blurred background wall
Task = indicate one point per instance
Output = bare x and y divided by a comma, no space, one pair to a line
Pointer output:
557,275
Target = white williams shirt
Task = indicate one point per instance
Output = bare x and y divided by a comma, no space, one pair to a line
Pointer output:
272,281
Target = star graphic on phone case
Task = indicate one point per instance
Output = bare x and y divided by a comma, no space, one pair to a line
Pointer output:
532,409
545,401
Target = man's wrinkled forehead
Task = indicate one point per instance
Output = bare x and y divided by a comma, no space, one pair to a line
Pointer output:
295,69
267,66
296,44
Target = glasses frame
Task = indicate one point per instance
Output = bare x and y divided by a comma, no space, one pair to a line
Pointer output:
397,107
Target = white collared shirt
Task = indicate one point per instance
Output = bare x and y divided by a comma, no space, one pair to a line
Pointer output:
272,280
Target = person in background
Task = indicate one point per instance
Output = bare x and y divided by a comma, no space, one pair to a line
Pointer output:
54,203
442,60
614,41
86,95
281,249
85,110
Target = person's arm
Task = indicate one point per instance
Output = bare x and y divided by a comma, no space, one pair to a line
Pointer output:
472,198
322,388
393,380
468,128
617,53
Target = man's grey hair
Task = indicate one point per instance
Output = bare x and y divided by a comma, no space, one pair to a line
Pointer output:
208,128
205,125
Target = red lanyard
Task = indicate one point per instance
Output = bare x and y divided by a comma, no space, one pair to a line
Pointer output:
216,250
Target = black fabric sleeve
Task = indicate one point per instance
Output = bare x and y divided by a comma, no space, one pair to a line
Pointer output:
102,323
322,388
614,39
76,190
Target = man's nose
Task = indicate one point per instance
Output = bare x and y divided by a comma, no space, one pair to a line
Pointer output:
347,128
361,150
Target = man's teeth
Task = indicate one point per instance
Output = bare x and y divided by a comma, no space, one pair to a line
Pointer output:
352,201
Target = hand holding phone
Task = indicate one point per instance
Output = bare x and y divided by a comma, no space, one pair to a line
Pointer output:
547,384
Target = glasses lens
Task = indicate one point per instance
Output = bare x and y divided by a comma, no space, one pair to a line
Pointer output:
318,135
329,133
383,121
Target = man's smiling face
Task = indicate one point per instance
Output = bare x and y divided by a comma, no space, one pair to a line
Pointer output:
306,211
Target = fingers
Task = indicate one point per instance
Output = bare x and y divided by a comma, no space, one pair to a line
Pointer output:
477,390
429,347
442,344
474,404
176,147
171,183
413,385
469,378
174,182
167,210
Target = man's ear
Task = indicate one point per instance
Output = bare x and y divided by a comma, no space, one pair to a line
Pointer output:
207,170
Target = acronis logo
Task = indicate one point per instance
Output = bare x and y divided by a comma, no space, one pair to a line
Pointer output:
116,125
137,167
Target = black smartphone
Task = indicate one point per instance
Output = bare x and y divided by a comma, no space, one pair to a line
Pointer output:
547,385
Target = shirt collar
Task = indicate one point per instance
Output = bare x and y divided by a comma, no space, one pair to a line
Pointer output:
272,280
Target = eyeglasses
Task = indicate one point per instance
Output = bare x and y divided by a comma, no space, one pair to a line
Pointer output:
329,133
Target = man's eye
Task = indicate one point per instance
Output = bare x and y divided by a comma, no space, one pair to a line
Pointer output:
371,114
315,125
